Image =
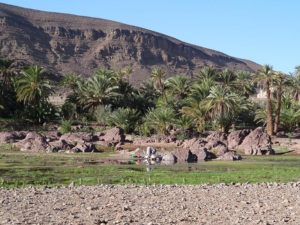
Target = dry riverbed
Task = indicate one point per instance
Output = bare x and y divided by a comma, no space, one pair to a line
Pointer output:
166,204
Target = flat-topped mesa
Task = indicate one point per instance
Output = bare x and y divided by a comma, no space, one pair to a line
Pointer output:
67,43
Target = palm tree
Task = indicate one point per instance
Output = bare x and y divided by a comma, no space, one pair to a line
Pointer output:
207,73
266,77
178,86
160,120
6,72
226,79
281,81
223,106
242,83
297,71
31,87
295,84
97,90
71,81
125,118
125,73
158,75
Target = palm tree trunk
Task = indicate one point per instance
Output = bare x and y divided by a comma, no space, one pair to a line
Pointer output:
269,111
278,108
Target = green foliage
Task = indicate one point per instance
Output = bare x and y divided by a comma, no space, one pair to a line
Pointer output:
40,113
100,89
159,120
32,87
102,113
69,110
65,126
125,118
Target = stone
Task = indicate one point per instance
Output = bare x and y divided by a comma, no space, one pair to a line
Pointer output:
84,147
184,155
11,137
229,156
79,137
257,143
219,148
194,144
114,135
235,138
33,142
215,138
169,158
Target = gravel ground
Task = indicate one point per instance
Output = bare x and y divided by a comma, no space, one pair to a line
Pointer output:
168,204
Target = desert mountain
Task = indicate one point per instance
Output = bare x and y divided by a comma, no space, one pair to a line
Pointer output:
63,43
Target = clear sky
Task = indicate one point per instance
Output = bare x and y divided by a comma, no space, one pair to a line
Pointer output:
264,31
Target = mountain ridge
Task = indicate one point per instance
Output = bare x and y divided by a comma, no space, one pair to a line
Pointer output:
70,43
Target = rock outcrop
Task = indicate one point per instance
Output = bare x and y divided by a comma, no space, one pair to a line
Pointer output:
63,42
257,143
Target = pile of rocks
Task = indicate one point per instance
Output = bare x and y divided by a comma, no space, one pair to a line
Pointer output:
225,147
55,142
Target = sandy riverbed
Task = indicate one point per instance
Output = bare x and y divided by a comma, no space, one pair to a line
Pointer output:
105,204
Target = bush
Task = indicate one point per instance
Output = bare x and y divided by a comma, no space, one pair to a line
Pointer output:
102,113
68,110
125,118
159,120
65,126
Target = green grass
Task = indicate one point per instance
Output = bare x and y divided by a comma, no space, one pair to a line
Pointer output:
20,170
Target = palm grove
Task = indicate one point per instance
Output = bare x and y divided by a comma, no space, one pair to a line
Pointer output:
211,100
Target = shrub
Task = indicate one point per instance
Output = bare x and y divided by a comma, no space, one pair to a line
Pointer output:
159,120
125,118
65,126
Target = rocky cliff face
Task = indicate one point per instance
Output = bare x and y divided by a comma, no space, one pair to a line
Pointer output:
64,43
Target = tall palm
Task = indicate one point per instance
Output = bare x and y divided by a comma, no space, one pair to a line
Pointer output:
295,84
96,91
280,82
158,75
266,77
31,87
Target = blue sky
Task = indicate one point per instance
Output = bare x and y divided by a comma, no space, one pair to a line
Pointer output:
264,31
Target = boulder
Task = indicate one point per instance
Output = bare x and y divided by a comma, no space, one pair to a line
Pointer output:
229,156
202,154
11,137
79,137
194,144
59,146
184,155
235,138
33,142
257,143
169,157
219,148
215,138
114,136
84,147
